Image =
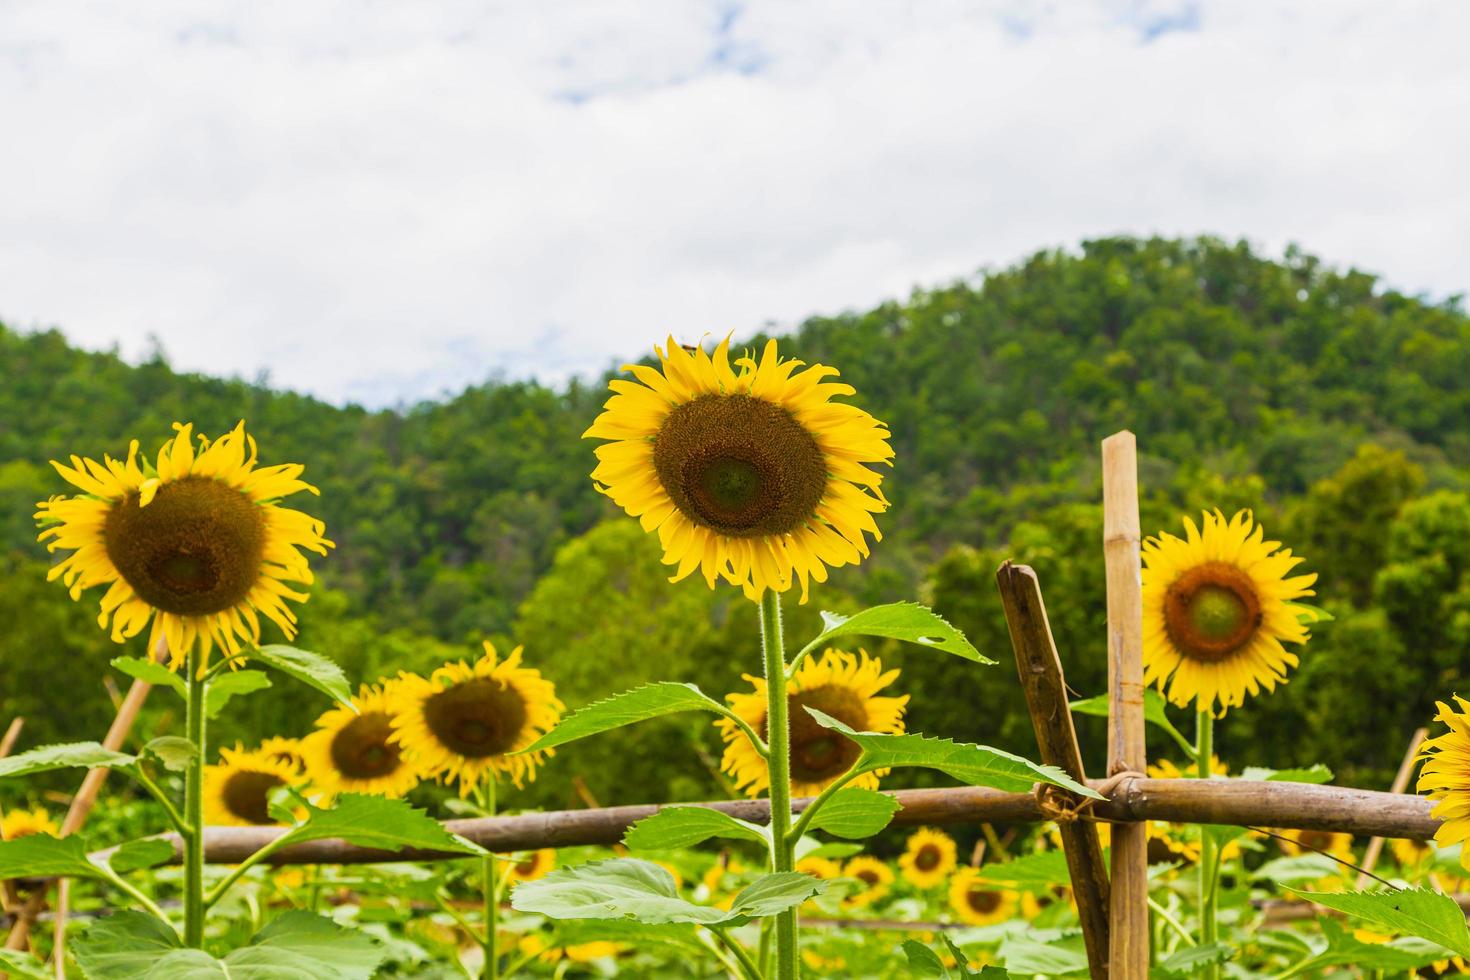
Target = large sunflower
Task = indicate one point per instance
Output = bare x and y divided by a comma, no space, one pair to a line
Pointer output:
928,858
22,823
467,719
1217,607
750,473
976,902
353,751
195,541
1445,776
839,684
237,791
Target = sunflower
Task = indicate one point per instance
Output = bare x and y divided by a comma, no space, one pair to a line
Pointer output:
1445,776
977,903
353,751
820,868
721,870
1164,769
196,541
1328,842
281,749
465,720
875,876
1034,903
841,685
23,823
532,865
1216,609
1410,853
928,858
237,791
537,946
749,473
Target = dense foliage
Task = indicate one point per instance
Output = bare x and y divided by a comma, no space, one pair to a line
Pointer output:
1332,405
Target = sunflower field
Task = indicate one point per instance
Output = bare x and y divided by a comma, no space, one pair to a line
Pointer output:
388,824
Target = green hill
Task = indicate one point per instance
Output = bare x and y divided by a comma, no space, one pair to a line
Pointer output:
1333,405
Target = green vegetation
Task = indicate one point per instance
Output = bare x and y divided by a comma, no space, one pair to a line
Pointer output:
1334,407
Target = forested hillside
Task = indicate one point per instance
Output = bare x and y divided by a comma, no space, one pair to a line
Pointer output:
1334,406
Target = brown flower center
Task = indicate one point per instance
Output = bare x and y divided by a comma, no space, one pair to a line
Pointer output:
982,900
927,857
739,465
195,549
361,750
1211,611
819,754
1321,840
247,795
476,718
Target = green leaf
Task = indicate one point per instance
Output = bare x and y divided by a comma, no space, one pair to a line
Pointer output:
1189,961
44,856
123,946
1153,712
1297,869
630,707
855,813
376,821
296,946
627,888
151,673
135,854
174,751
678,938
1025,955
1316,774
906,621
1307,614
836,850
310,668
1030,872
923,961
1343,948
685,826
1412,911
85,755
226,686
22,966
962,962
976,765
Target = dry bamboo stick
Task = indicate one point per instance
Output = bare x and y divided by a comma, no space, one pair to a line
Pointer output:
12,735
1400,783
1240,802
1128,924
81,806
1040,669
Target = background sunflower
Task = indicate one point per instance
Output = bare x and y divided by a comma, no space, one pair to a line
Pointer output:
750,473
874,875
237,791
21,823
531,865
354,751
1216,610
1445,776
928,857
465,720
839,684
976,901
196,542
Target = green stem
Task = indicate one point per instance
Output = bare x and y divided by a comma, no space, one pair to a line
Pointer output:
1172,922
747,965
810,812
194,804
218,891
778,735
147,782
133,893
491,969
1209,880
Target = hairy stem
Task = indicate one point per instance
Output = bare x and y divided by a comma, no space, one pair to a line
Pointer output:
491,969
778,738
1208,867
194,803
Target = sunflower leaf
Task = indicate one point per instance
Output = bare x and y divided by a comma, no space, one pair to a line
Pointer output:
23,966
150,673
1312,774
124,946
630,707
174,751
1412,911
1153,713
976,765
627,888
1025,955
907,621
376,821
310,668
296,944
136,854
855,813
44,856
83,755
1029,871
226,686
685,826
923,961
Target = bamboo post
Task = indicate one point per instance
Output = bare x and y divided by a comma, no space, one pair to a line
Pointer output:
1400,783
12,735
1121,541
1046,699
81,806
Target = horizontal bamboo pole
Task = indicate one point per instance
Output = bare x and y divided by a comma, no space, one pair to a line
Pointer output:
1240,802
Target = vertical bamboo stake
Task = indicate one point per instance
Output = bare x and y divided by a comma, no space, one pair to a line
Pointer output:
81,806
1400,783
12,735
1046,698
1121,540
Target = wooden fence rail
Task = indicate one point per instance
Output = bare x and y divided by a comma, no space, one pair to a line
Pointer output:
1279,805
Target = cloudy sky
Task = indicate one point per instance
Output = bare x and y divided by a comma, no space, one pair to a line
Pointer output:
382,201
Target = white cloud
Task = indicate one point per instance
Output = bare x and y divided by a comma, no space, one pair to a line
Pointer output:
378,201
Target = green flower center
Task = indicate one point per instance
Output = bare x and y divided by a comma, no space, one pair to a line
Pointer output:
1211,611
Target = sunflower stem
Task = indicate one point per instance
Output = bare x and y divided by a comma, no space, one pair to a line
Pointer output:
194,803
807,815
491,969
778,736
1208,877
